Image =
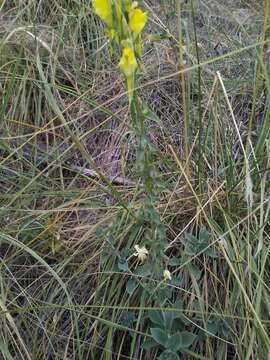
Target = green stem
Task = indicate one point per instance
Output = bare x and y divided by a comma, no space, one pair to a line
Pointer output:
183,79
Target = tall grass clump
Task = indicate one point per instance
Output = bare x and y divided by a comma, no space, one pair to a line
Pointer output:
134,178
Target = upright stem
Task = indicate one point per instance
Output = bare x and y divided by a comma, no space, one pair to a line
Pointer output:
200,146
183,79
258,77
148,173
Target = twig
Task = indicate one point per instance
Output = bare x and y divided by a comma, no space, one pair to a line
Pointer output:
114,180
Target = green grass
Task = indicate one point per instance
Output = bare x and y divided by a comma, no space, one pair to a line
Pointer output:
69,286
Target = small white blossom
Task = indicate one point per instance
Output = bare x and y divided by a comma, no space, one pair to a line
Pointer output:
167,275
141,253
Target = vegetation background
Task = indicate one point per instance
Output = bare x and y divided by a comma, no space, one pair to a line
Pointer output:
69,285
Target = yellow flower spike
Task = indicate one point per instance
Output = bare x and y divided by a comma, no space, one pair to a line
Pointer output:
128,65
103,9
137,21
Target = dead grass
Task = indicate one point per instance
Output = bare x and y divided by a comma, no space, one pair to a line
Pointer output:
53,214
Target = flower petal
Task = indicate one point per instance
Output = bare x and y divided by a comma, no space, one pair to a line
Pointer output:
137,20
103,9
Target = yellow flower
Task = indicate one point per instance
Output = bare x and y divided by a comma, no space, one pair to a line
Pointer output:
128,62
141,253
128,65
103,9
137,20
167,275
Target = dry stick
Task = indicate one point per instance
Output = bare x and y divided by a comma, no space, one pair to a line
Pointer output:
114,180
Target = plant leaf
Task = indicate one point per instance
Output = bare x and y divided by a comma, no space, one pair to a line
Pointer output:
196,272
149,343
131,286
156,316
174,261
204,236
122,265
187,338
150,114
170,314
211,253
212,327
144,270
175,342
160,336
168,355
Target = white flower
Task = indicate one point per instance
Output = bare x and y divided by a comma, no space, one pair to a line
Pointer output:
141,253
167,275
